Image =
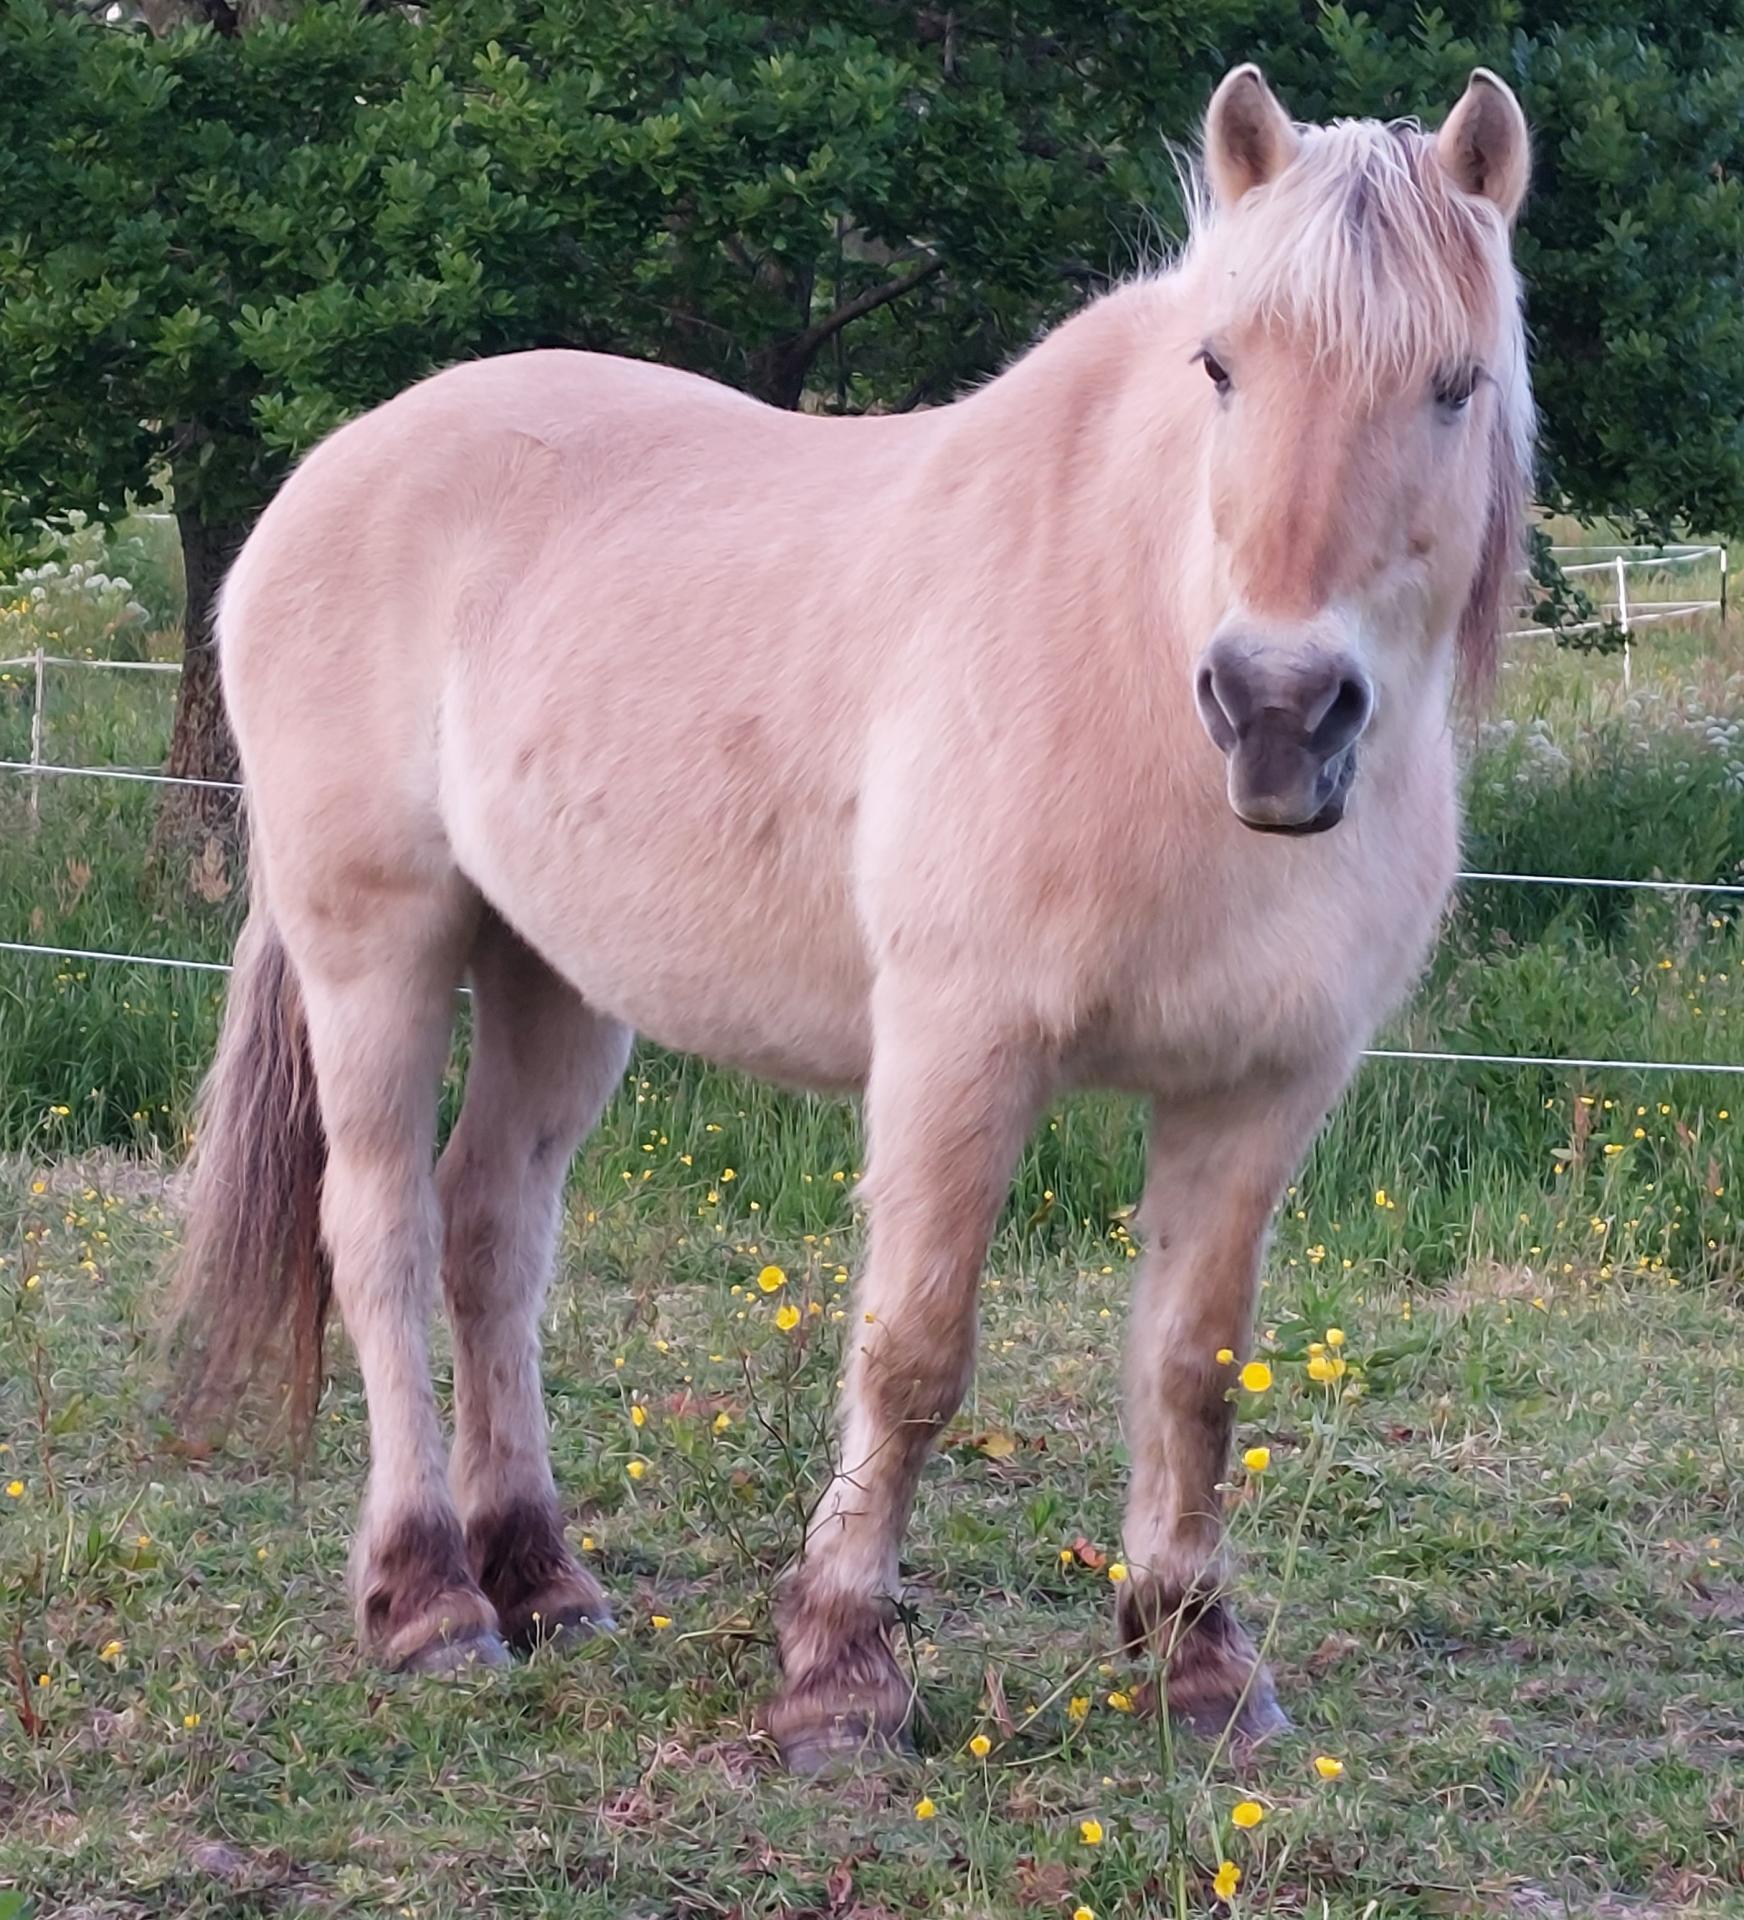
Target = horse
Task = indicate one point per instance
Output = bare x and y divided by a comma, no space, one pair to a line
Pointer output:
1093,729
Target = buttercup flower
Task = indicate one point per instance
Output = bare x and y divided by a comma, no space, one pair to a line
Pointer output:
1256,1376
924,1809
1327,1767
1225,1355
1227,1880
772,1279
1090,1832
1247,1813
1257,1459
980,1746
787,1316
1117,1571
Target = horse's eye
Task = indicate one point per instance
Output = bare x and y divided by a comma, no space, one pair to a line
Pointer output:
1454,390
1215,371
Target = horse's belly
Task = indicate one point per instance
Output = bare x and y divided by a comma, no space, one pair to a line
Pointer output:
744,950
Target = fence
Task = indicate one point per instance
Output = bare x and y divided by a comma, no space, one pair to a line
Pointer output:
36,769
1621,611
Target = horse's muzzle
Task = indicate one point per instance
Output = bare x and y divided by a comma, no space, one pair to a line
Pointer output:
1287,724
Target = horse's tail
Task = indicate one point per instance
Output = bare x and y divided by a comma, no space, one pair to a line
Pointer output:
251,1286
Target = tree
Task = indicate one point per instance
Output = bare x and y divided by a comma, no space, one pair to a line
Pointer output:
218,241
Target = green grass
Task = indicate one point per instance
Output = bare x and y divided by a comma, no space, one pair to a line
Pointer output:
1513,1612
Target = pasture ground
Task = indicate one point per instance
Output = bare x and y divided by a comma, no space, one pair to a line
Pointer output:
1508,1579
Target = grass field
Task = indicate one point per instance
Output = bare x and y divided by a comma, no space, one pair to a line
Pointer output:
1503,1559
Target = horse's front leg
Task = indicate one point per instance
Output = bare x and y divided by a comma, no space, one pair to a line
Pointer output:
1216,1170
947,1109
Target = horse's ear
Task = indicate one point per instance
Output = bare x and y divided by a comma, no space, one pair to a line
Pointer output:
1249,138
1484,144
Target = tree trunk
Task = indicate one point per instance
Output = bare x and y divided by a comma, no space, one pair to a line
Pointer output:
200,745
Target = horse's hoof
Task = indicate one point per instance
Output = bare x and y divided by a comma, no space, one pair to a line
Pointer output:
468,1652
563,1628
1257,1717
843,1747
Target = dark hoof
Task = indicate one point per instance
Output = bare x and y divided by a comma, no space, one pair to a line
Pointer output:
450,1656
1214,1680
1254,1719
564,1627
844,1747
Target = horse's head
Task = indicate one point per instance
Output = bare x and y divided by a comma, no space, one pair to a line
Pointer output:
1368,426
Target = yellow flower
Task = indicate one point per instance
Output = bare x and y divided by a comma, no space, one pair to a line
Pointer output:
787,1317
924,1809
1327,1767
1257,1459
660,1621
772,1279
1225,1356
1083,1913
980,1746
1256,1376
1335,1336
190,1721
637,1468
587,1543
1247,1813
1078,1707
1120,1702
1117,1571
638,1416
728,1174
1227,1880
1090,1832
14,1489
111,1652
1326,1368
722,1422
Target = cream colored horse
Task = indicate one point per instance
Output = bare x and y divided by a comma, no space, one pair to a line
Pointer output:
1090,730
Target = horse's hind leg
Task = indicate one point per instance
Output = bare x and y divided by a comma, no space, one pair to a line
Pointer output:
378,966
543,1066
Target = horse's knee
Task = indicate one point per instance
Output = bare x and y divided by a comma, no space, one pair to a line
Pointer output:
913,1372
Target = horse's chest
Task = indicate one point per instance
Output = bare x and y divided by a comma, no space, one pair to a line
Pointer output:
1275,976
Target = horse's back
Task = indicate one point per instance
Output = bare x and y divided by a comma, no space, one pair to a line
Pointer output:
587,629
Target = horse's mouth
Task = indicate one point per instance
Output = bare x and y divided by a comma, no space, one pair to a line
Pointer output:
1333,786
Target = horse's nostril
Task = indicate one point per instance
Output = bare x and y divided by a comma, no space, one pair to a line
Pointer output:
1346,717
1213,711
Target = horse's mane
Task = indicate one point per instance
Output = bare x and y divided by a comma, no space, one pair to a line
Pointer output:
1364,248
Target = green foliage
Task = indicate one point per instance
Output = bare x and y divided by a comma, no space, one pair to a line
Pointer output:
212,249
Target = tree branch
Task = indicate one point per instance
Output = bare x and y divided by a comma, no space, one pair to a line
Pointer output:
862,304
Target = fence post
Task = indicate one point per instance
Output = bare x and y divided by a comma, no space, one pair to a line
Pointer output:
36,741
1722,586
1623,618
